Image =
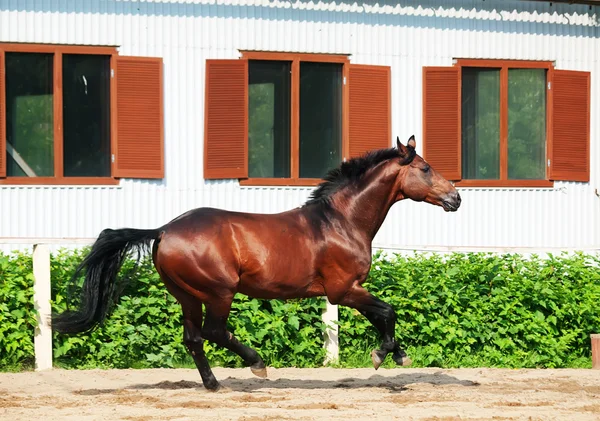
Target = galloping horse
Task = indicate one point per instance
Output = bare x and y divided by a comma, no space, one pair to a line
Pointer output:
323,248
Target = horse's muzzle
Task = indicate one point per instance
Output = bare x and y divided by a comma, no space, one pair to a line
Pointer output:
451,203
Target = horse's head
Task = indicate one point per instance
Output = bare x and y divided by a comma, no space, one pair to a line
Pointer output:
418,181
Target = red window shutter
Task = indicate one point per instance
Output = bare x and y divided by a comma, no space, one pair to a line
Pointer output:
2,117
570,145
139,142
441,120
226,119
369,108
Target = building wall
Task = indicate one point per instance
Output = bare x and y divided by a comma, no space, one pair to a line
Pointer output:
406,37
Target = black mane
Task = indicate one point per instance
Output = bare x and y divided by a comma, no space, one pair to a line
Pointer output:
351,171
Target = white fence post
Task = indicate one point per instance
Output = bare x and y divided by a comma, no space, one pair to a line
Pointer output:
332,347
41,297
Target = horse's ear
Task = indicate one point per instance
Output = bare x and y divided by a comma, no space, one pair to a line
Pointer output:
403,150
406,150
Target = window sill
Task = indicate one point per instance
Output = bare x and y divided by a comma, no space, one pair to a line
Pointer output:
63,181
296,182
505,183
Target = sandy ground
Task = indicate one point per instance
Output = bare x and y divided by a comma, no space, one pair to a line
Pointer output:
303,394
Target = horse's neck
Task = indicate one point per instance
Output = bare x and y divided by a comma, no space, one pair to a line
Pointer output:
367,207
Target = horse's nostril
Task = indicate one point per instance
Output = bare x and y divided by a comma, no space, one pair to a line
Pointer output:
453,199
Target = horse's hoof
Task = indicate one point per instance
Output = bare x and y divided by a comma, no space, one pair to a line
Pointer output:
377,358
402,359
259,372
213,386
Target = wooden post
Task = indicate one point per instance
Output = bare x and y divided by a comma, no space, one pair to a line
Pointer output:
595,351
330,317
41,297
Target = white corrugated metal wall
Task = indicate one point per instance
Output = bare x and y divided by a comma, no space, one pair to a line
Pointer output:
405,36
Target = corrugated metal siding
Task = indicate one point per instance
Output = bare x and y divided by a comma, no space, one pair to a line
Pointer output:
406,37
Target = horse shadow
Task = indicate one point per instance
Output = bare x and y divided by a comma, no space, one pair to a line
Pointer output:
394,384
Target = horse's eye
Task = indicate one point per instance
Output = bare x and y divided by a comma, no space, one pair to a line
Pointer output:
425,169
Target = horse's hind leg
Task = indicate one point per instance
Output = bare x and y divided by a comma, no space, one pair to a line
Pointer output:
192,325
215,330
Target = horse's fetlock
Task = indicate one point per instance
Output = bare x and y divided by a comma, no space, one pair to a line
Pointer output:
389,345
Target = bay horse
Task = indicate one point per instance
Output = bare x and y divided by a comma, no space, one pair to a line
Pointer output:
322,248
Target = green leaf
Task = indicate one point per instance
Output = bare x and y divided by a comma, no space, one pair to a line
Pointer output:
294,322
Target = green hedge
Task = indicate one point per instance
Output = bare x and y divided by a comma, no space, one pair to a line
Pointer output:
460,310
17,313
483,310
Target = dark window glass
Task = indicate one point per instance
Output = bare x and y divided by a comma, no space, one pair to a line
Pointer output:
480,123
320,118
29,115
86,114
269,96
526,124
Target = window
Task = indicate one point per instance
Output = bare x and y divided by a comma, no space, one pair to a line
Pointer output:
320,118
29,115
269,118
506,123
78,115
523,116
86,115
269,101
287,118
480,141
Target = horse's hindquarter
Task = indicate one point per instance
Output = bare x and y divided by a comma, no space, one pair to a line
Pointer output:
196,252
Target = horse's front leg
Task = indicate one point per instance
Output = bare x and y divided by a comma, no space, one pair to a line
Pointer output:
383,317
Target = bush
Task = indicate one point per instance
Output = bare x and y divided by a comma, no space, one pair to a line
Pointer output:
460,310
17,313
482,310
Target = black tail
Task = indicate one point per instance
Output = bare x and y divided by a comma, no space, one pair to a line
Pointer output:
99,288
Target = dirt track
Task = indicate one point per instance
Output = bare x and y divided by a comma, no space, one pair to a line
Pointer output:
304,394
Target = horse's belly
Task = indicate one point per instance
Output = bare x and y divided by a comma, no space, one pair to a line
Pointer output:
289,285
